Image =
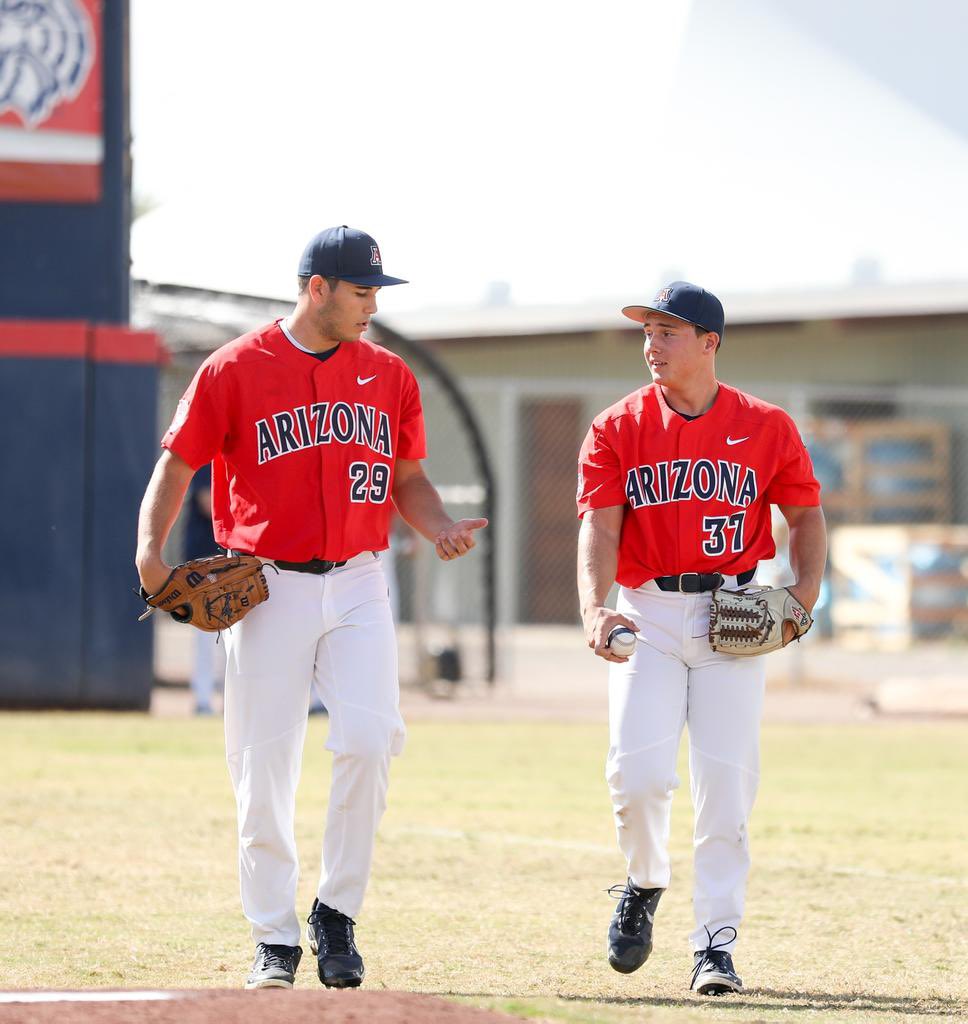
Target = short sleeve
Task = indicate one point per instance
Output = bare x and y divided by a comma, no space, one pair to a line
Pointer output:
600,482
794,483
412,440
200,424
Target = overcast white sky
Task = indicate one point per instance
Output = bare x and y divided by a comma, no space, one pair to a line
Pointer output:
575,151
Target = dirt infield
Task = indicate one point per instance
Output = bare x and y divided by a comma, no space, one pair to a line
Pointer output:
267,1006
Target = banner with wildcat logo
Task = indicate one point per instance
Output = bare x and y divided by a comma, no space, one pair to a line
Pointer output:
51,131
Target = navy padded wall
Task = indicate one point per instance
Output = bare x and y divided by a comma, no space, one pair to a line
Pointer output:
42,469
123,446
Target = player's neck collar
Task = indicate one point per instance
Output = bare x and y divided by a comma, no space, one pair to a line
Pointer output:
286,329
691,415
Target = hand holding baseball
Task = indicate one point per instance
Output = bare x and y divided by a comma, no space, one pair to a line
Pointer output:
621,641
600,627
458,538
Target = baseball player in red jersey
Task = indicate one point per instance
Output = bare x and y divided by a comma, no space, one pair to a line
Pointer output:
675,486
314,435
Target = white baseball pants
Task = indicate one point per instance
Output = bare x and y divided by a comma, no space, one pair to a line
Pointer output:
675,679
334,632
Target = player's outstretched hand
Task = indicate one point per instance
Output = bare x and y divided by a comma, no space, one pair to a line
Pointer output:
599,622
458,538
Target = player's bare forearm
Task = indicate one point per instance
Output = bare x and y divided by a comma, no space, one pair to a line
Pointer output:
598,540
159,510
418,502
808,550
597,556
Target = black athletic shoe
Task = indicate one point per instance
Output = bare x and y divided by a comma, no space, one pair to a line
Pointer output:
330,935
274,966
630,932
713,973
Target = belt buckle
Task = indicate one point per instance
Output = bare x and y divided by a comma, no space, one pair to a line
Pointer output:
683,575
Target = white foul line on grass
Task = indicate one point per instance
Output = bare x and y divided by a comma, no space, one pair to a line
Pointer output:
572,846
83,997
506,838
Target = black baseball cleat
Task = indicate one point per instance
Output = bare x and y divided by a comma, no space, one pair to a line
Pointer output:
330,935
274,966
713,973
630,931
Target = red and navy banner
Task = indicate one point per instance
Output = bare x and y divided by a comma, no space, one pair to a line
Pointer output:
75,339
51,123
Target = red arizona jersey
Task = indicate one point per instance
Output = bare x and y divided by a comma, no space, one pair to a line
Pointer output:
303,449
697,493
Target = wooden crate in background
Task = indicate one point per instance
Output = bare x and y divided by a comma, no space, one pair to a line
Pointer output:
895,585
882,471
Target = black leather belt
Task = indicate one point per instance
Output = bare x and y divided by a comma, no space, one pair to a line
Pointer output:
698,582
317,566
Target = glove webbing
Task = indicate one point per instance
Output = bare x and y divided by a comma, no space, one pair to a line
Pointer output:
748,628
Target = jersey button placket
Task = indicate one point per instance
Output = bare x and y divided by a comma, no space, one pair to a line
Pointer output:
319,397
694,448
681,508
685,527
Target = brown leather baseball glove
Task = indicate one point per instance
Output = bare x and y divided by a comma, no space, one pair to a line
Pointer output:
210,593
750,621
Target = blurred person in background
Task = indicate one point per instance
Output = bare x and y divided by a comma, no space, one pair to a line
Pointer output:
208,655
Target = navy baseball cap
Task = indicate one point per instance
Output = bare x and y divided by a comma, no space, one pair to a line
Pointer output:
346,253
684,301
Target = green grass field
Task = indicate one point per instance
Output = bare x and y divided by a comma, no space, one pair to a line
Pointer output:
117,869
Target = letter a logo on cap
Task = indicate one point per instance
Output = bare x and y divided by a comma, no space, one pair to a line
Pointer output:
664,295
375,260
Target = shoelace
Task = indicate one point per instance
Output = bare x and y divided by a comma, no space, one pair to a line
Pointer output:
713,951
632,906
335,928
277,957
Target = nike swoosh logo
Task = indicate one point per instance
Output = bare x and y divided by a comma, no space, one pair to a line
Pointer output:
366,380
737,440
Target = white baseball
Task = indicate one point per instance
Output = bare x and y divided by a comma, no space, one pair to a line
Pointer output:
621,641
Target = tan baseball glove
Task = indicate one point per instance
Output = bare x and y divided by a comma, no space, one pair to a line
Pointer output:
750,621
210,593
